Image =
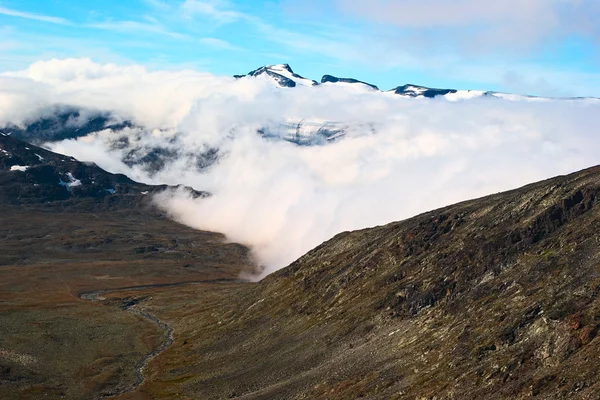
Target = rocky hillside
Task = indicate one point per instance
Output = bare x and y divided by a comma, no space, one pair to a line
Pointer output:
31,174
494,298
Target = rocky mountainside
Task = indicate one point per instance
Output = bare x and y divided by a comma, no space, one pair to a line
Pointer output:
421,91
31,174
495,298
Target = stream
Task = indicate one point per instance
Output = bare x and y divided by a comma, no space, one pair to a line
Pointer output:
134,308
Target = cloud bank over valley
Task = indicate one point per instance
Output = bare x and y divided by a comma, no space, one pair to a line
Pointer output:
290,167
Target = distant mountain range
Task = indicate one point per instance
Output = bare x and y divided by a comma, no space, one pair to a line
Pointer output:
284,76
70,122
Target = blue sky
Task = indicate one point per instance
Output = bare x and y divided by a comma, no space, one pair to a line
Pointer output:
545,47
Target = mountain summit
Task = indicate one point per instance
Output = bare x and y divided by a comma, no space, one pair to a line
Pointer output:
282,74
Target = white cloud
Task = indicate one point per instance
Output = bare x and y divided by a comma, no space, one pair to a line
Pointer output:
402,157
435,13
218,43
217,10
510,22
330,44
137,27
32,16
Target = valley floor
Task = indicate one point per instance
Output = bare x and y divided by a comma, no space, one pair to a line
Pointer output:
57,345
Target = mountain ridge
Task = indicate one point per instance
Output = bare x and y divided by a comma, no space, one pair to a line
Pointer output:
30,174
284,76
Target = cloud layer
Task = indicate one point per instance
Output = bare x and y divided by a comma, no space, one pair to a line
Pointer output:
400,156
510,22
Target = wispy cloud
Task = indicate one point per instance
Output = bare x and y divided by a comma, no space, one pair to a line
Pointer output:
36,17
223,12
218,11
138,26
481,26
219,44
158,4
310,44
150,26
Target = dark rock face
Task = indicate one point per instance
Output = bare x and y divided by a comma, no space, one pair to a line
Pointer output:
418,91
207,159
152,160
333,79
281,80
31,174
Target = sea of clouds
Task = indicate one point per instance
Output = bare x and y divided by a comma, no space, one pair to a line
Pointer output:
401,157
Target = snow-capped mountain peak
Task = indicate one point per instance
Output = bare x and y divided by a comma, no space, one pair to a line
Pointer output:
283,75
304,127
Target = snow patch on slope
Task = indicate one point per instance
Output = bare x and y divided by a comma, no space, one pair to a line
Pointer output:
71,183
285,70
